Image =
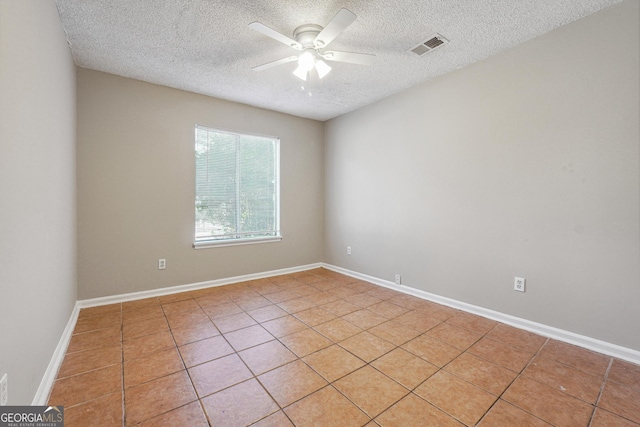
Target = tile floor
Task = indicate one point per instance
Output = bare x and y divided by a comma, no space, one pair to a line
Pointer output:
317,348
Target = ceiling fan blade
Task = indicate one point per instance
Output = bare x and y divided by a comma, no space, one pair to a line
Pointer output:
350,57
342,20
261,28
275,63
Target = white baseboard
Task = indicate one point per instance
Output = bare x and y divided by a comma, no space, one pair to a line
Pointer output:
114,299
42,395
44,390
589,343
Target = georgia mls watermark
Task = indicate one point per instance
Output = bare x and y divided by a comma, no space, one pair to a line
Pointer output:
31,416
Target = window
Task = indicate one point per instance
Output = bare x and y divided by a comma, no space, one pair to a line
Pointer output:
237,188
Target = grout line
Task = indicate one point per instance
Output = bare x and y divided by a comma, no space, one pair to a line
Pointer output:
604,380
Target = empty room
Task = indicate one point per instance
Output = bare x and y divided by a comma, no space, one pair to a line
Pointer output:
297,213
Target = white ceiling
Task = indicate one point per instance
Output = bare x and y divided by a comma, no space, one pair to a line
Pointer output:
206,46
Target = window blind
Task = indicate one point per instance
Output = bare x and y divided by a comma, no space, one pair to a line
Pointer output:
237,188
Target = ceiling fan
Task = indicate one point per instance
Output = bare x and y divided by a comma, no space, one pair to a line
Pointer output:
312,40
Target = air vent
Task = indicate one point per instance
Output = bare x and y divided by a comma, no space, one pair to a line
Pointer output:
432,43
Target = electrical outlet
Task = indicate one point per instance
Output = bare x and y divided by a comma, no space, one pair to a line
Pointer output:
519,284
398,279
4,392
348,250
162,264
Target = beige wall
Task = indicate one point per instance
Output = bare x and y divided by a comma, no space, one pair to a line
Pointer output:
525,164
136,187
37,191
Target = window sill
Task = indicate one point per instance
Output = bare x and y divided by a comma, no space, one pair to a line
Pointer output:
236,242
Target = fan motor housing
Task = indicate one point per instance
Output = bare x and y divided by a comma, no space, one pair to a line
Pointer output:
306,34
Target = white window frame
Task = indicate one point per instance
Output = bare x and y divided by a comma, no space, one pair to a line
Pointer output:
238,240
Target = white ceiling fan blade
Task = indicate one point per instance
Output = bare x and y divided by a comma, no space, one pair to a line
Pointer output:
261,28
275,63
350,57
342,20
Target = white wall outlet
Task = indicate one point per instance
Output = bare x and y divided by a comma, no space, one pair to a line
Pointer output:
162,264
4,392
398,279
348,250
518,284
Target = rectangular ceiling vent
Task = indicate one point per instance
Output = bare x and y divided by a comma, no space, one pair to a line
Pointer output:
430,44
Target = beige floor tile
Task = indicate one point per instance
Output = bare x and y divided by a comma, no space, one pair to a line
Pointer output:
194,333
367,346
218,374
267,356
404,367
453,335
364,319
621,400
305,342
253,302
99,310
291,382
472,322
362,300
95,339
188,305
314,316
504,414
418,320
412,411
370,390
147,344
456,397
625,373
387,309
144,327
190,415
277,419
186,319
394,332
297,304
205,350
604,418
340,307
107,409
432,350
84,361
268,312
284,325
248,337
240,405
157,397
326,408
92,323
145,312
333,362
156,365
564,378
549,404
487,375
588,361
337,329
501,354
519,338
86,386
233,322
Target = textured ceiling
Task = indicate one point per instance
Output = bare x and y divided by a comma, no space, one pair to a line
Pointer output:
206,46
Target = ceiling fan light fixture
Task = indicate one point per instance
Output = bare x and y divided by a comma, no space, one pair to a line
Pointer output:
322,68
301,73
307,59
